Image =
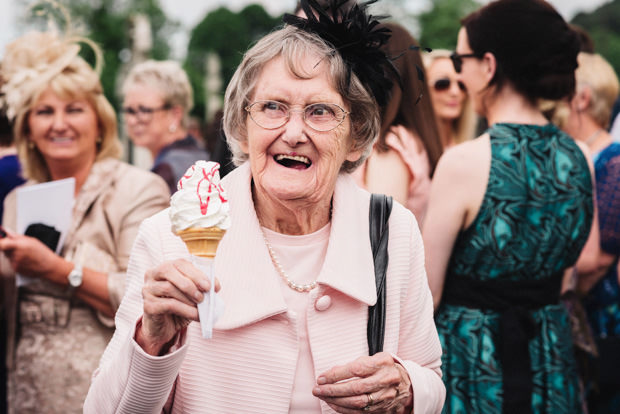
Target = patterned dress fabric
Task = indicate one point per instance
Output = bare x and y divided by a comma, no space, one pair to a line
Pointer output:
603,304
603,301
533,221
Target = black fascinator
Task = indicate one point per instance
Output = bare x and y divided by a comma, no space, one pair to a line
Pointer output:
357,36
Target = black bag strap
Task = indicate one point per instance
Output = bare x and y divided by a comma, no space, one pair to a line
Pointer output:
380,209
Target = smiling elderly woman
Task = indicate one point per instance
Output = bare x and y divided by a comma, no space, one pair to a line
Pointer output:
296,126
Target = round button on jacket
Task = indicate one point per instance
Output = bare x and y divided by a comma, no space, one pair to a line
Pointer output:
323,303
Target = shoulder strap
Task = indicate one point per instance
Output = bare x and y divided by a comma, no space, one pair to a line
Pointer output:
380,209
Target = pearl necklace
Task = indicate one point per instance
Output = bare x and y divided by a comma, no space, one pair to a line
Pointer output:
295,286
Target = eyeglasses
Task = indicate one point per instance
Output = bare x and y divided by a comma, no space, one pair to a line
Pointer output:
321,117
457,60
444,84
143,113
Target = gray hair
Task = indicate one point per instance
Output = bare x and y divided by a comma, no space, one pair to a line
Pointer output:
168,78
294,44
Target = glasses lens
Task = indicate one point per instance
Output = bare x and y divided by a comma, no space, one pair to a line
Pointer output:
456,62
129,111
142,113
268,114
442,84
323,116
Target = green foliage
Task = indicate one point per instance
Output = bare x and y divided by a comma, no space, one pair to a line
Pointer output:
440,25
228,35
602,26
107,22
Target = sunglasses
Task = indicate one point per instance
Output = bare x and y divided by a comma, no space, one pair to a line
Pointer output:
457,60
444,84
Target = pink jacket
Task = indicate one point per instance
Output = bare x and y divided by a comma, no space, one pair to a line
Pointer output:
249,364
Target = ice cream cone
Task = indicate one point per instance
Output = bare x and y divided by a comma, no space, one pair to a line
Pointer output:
202,242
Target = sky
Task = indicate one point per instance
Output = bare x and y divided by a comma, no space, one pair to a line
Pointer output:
190,12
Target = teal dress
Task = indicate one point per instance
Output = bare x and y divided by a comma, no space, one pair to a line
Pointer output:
506,339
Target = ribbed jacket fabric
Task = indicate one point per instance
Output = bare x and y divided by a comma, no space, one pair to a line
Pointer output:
249,364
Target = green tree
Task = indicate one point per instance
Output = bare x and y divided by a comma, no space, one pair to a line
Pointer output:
228,35
107,22
602,25
440,25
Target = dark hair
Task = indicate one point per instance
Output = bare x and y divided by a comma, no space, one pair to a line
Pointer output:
6,130
401,108
586,42
535,49
323,3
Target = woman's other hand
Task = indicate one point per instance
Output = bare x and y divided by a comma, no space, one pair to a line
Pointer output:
171,292
30,257
374,384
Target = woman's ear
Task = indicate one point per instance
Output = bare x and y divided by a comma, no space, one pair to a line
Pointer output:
354,155
244,145
582,98
489,66
177,113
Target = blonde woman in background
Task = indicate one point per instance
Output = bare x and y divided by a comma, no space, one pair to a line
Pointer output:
64,127
585,117
454,113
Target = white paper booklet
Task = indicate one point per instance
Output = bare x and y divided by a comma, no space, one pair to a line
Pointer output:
48,203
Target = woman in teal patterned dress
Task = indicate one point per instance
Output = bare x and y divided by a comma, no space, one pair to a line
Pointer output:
509,212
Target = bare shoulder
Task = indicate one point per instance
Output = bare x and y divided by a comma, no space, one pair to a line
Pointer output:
468,159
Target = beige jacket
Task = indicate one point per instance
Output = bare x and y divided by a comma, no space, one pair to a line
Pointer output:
108,210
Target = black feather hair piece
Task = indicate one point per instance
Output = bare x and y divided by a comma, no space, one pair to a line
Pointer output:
357,36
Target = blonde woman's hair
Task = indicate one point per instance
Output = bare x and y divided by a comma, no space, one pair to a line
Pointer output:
293,45
597,74
464,126
39,61
166,77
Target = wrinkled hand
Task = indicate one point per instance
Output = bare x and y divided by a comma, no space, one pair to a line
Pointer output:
374,384
171,292
29,256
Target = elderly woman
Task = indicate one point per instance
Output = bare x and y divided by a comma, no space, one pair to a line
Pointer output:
297,121
60,323
508,213
585,118
455,116
158,97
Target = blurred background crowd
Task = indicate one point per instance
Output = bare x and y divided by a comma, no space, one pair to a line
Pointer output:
168,97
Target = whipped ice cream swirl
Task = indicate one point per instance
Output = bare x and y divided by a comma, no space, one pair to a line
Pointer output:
200,200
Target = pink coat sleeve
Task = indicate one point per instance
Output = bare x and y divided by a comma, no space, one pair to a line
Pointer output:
418,339
128,380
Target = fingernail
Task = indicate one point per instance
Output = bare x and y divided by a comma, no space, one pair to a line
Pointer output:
316,390
205,285
198,296
321,380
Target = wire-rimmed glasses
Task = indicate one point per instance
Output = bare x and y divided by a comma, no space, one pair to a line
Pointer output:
321,117
143,113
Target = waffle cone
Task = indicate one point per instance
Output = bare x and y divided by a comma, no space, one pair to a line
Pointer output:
202,242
